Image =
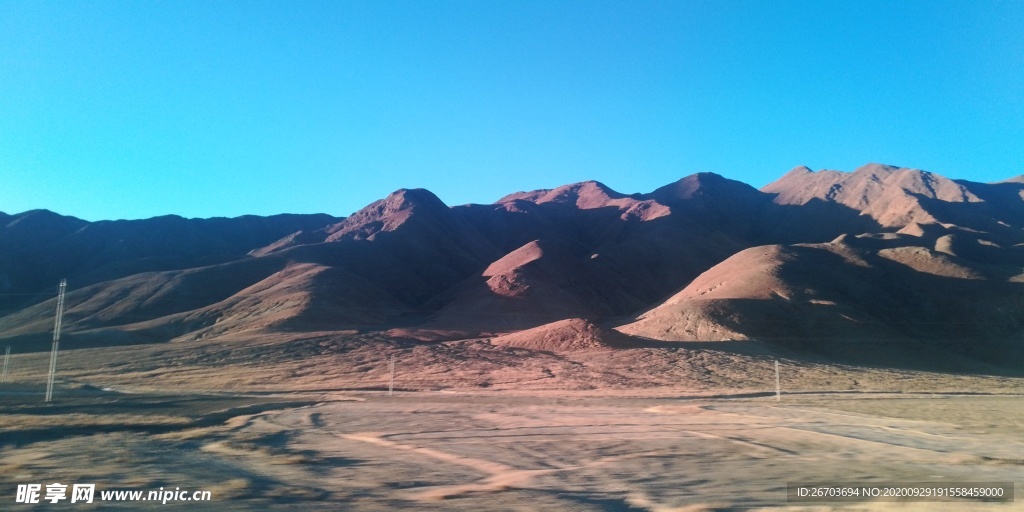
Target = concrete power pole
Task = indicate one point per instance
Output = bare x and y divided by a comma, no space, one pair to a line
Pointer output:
7,358
391,382
778,387
56,339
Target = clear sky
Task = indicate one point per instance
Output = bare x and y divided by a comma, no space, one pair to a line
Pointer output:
221,108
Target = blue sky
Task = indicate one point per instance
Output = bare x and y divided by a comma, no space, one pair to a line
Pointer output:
221,108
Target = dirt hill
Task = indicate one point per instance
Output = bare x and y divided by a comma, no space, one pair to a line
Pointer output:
821,261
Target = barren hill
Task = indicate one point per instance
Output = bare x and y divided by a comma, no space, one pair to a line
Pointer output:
38,248
822,261
896,197
565,336
868,297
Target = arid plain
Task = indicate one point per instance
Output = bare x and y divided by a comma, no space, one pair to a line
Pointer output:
306,423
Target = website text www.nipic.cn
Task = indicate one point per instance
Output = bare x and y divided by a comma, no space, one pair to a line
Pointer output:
86,493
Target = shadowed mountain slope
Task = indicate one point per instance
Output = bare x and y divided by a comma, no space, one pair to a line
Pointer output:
38,248
863,297
823,261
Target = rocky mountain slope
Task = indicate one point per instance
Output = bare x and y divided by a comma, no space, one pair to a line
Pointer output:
828,261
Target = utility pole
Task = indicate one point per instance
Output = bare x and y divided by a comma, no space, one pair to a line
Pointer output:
7,358
391,383
778,388
56,339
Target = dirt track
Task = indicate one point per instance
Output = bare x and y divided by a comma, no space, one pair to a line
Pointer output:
541,451
302,424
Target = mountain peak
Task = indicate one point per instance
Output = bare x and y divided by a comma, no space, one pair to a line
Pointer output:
403,199
703,184
43,219
893,196
585,194
413,197
877,169
389,213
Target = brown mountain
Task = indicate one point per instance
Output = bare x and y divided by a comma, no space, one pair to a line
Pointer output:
896,197
39,247
943,271
826,262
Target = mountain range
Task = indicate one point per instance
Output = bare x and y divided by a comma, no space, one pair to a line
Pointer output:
883,262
